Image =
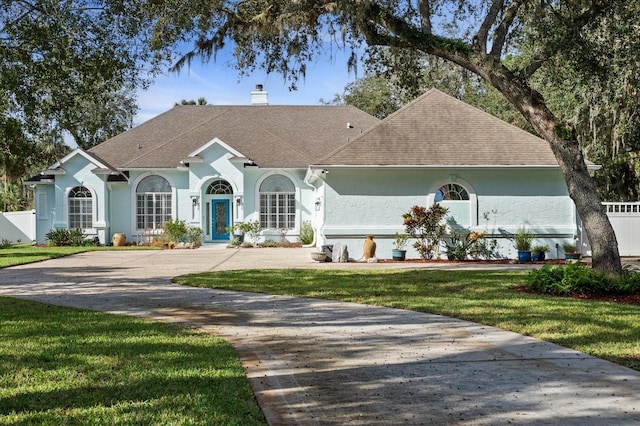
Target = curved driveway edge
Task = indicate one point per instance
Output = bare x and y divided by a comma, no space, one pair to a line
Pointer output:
312,361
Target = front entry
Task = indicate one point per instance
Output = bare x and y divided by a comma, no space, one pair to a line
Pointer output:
220,219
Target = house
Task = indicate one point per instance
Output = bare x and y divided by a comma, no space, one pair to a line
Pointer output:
343,170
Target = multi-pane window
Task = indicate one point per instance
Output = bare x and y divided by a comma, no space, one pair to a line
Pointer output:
153,202
80,208
277,203
451,192
220,187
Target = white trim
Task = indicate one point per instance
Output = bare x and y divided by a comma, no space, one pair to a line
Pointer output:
195,159
435,166
134,205
473,197
444,166
215,141
94,207
81,152
209,178
297,196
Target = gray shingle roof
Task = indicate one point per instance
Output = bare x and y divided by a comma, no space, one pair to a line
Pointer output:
439,130
271,136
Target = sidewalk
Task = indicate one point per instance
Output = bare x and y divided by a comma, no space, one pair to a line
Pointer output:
311,361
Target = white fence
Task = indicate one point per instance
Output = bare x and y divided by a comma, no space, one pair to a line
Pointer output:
18,227
625,219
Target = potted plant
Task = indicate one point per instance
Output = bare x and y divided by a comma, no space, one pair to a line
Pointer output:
523,240
399,243
239,229
538,252
571,252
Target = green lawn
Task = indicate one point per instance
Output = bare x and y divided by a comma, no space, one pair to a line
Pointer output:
21,254
66,366
603,329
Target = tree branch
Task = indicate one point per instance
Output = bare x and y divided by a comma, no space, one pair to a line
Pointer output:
551,49
425,16
480,39
501,32
383,28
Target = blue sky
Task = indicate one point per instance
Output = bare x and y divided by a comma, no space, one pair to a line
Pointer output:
220,84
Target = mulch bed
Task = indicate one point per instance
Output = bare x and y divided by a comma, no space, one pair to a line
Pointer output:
479,262
625,299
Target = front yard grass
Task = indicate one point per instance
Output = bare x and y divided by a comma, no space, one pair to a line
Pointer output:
604,329
67,366
21,254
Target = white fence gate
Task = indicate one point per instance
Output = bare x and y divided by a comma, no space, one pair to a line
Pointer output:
625,219
18,227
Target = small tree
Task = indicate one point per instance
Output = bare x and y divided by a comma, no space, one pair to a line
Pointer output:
427,227
254,231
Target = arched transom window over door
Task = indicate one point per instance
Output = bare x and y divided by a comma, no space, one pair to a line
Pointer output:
80,208
153,202
219,187
451,192
277,203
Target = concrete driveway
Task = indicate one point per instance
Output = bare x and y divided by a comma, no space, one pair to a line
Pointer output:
319,362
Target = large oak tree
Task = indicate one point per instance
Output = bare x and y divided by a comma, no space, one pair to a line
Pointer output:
71,66
283,36
68,69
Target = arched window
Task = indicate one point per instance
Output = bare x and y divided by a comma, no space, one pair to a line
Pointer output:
277,203
80,208
220,187
153,202
451,192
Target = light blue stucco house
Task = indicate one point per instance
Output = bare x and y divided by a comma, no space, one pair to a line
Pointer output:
346,172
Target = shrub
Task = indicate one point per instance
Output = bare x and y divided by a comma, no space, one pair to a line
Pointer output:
65,237
458,246
306,233
194,236
236,242
579,279
271,243
426,226
58,237
175,230
77,237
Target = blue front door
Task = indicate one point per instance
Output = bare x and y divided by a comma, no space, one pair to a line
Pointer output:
220,219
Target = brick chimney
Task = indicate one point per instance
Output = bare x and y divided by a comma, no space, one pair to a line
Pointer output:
259,96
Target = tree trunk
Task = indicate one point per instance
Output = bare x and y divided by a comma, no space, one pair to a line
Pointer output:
567,151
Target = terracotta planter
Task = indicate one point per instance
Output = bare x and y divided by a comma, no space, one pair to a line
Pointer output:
369,248
119,239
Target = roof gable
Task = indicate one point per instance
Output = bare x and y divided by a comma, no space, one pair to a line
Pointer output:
87,156
215,141
439,130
